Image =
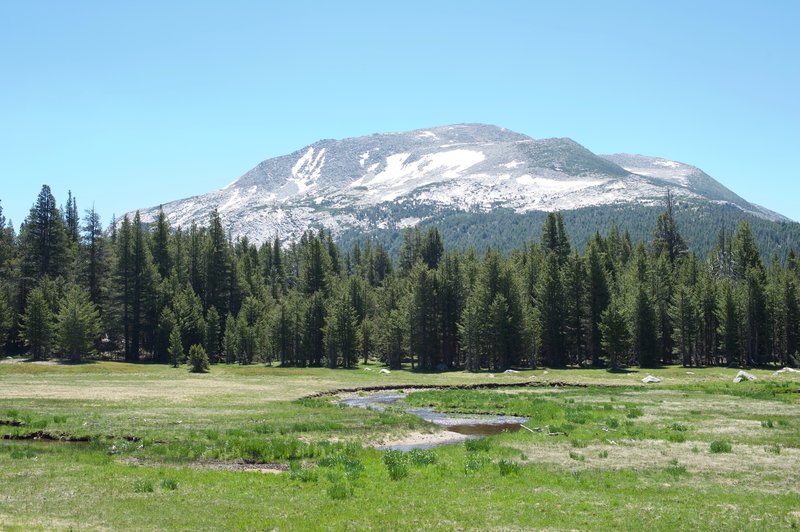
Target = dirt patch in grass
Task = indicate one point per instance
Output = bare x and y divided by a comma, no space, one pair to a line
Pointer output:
656,454
418,439
274,468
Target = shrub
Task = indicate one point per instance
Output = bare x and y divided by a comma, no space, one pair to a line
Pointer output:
720,446
474,463
142,485
396,464
676,470
676,437
767,424
774,449
340,490
634,411
198,359
481,444
168,484
678,427
577,456
296,472
507,468
420,457
602,454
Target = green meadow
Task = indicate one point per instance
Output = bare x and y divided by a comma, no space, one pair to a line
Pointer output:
123,446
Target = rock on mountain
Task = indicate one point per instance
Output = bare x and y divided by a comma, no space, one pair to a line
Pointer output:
380,181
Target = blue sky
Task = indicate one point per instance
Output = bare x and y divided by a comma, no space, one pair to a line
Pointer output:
132,104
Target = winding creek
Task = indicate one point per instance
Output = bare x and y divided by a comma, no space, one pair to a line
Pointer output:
462,426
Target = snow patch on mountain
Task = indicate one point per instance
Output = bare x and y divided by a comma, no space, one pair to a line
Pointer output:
357,182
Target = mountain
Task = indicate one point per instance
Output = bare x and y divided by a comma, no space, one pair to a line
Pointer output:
394,180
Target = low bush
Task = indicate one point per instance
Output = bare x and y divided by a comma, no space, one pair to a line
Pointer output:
720,446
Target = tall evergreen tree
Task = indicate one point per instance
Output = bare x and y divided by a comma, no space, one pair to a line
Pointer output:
423,317
645,336
77,324
96,257
37,325
554,237
616,337
668,241
213,335
599,298
341,333
217,266
730,327
161,245
43,241
551,309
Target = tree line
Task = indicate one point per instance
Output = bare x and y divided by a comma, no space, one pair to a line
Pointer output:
71,288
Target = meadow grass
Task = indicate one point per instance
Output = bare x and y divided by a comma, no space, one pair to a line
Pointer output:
241,447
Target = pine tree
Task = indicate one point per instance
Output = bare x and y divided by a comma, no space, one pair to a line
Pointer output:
176,354
551,310
96,257
471,333
161,244
792,320
6,320
71,220
217,266
576,310
77,324
341,333
709,318
366,344
213,334
37,325
198,359
685,315
645,336
730,326
599,298
755,318
43,240
616,338
745,251
554,237
451,305
432,248
315,268
668,241
423,317
313,325
230,340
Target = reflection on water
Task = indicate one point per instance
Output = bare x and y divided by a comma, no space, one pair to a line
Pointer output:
471,426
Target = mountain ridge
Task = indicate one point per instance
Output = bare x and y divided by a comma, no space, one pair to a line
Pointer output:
348,183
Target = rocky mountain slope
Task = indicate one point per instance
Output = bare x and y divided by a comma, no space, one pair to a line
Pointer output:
381,181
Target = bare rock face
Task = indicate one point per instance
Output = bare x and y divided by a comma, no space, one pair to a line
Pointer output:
379,181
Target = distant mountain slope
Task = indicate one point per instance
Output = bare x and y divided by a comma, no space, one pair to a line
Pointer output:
393,180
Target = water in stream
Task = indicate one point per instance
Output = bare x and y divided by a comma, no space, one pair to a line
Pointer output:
465,425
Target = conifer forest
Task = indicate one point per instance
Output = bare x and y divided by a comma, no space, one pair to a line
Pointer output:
74,289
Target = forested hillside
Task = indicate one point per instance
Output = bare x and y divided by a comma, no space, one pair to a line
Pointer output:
71,289
506,229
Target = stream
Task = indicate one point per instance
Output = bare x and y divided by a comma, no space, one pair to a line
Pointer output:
463,426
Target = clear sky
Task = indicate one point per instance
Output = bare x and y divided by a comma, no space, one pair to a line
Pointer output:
133,104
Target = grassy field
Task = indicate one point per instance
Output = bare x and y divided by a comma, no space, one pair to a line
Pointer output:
244,447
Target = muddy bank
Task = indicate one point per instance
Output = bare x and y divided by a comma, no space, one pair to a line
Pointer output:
41,435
